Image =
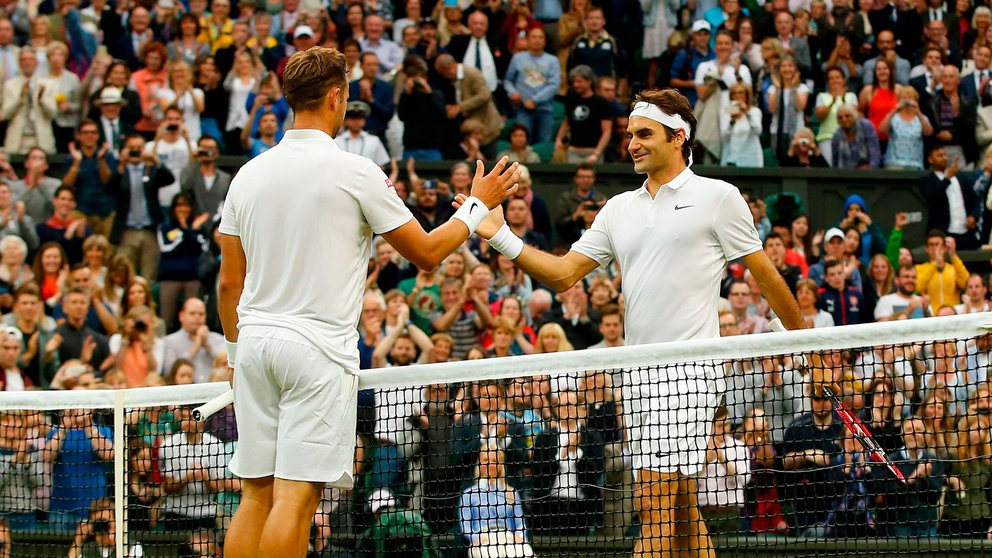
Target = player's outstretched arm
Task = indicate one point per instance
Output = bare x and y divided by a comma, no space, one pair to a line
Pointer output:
557,272
428,250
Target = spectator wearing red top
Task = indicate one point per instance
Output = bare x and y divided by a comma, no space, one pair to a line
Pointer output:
147,81
63,229
51,266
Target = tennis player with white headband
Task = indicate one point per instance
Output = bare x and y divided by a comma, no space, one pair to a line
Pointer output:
672,237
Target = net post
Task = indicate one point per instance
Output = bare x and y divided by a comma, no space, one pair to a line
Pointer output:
120,457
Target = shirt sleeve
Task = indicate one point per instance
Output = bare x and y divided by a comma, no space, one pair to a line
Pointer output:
383,209
701,70
734,227
595,243
230,222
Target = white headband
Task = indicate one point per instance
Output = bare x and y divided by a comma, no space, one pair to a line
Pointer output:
672,121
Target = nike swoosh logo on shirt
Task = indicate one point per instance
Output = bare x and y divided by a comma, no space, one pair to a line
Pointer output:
678,207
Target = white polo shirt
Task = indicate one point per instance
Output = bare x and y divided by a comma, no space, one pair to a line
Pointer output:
365,145
305,212
673,250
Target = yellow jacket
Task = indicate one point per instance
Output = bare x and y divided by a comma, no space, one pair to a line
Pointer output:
943,287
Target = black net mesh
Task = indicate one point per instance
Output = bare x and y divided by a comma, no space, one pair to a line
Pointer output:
739,457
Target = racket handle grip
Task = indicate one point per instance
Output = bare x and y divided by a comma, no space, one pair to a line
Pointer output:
208,409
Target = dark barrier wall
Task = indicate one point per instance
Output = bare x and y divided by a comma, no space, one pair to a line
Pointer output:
822,190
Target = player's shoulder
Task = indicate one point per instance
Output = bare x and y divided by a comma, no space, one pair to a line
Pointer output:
713,188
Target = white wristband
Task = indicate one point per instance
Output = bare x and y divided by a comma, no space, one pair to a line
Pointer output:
472,212
507,243
232,351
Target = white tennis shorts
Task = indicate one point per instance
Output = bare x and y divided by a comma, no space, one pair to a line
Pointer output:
296,410
670,414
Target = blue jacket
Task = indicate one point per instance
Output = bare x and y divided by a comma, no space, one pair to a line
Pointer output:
383,107
845,307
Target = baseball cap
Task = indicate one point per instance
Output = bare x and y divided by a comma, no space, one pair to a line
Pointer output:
303,31
701,25
450,3
357,109
166,4
428,21
832,234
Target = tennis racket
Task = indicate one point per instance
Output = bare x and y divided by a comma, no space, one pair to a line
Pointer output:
853,423
863,435
208,409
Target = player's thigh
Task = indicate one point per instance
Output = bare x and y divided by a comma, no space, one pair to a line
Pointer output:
317,414
256,406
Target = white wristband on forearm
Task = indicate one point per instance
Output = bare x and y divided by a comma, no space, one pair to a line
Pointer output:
472,212
232,352
507,243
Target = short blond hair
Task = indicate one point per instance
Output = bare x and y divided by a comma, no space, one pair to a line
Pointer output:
310,74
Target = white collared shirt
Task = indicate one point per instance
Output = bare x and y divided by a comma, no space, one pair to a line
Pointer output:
955,204
673,250
307,273
488,65
364,144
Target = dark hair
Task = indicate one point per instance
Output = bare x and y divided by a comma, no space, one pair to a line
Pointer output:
936,233
87,122
414,66
179,363
584,166
671,101
892,74
39,274
771,235
932,47
77,290
121,64
350,41
27,289
64,188
180,198
610,310
207,137
194,19
831,263
362,56
77,266
310,74
726,32
519,127
829,69
910,267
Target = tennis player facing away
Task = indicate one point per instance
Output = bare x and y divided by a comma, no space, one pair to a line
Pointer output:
297,233
672,237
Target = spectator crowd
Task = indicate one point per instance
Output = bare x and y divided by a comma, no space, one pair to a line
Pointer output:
108,264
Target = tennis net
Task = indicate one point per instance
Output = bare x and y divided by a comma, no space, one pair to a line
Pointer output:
561,454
